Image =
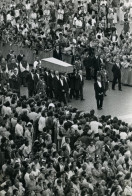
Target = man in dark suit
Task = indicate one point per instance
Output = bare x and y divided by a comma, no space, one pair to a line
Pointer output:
99,93
36,79
57,53
87,62
4,78
12,64
46,75
31,83
116,69
20,56
62,94
66,86
50,80
96,63
56,85
72,78
79,83
15,82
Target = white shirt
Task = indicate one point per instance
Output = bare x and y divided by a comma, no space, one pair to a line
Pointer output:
123,136
61,82
41,123
60,14
57,77
95,126
6,110
78,23
9,17
81,77
28,6
26,178
33,116
19,130
99,83
35,64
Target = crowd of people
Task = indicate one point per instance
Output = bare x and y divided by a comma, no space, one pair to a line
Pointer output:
47,147
80,29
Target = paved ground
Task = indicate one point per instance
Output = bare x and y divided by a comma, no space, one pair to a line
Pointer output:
117,103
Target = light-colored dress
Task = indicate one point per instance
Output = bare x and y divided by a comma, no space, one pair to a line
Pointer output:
121,14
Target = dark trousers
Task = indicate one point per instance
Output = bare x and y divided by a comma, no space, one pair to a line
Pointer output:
56,95
51,93
72,93
95,74
115,81
88,73
81,92
99,101
31,92
77,94
62,97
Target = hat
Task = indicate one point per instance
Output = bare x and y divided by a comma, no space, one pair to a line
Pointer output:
29,124
51,105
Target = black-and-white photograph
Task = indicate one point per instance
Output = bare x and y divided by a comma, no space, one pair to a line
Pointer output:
65,97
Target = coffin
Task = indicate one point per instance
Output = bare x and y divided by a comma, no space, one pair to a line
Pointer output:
57,65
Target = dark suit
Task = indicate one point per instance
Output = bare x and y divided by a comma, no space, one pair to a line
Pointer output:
50,80
56,87
36,79
15,83
24,78
46,75
87,62
99,94
72,79
116,76
4,79
66,87
79,82
96,63
57,55
62,95
20,57
58,168
12,66
31,84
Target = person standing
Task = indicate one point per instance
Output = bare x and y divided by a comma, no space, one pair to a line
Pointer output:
20,56
87,62
99,92
57,53
30,79
15,82
66,86
104,78
41,86
79,82
116,69
56,85
96,65
50,83
36,79
81,85
62,93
